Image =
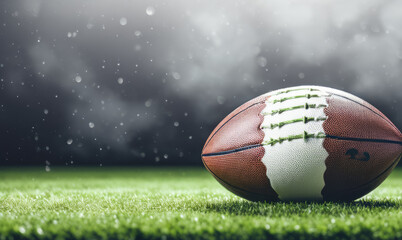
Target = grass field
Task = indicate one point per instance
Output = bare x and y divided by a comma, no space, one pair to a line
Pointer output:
166,203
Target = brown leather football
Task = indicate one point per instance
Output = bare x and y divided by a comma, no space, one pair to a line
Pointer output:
303,143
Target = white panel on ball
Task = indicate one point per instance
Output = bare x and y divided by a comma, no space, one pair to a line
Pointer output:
295,168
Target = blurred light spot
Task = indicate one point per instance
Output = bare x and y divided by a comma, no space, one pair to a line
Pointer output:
148,103
78,79
150,11
123,21
262,61
220,99
22,230
176,75
137,47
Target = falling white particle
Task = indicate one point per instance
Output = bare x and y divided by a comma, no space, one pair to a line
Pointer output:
176,75
137,47
165,156
78,79
262,61
176,124
137,33
69,141
301,75
46,111
190,137
22,230
47,169
91,125
123,21
69,34
39,230
220,99
120,80
148,103
150,11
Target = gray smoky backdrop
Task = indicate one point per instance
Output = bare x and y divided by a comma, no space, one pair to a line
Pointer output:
145,82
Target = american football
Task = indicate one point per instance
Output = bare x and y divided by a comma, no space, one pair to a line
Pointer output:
303,143
203,120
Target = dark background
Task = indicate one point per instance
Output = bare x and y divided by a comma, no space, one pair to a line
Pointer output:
145,82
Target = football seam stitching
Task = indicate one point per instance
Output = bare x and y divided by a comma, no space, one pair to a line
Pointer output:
305,136
331,93
364,139
308,96
304,119
318,95
233,150
305,106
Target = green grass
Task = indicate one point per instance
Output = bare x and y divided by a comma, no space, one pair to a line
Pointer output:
166,203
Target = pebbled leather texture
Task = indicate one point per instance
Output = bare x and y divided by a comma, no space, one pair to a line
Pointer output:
354,164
